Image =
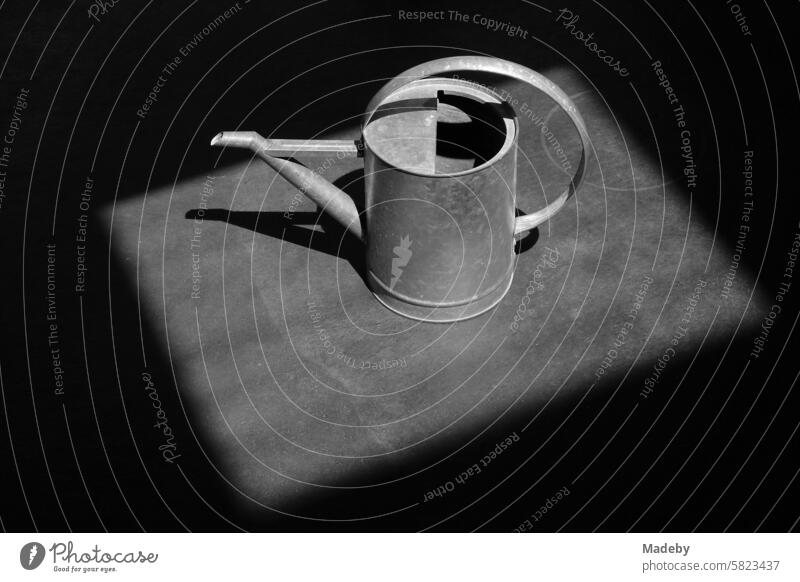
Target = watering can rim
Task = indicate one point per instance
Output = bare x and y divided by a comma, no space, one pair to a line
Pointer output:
511,123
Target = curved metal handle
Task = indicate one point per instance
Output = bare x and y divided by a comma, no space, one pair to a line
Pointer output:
514,71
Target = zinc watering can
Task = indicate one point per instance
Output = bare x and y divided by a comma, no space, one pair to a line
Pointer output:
440,177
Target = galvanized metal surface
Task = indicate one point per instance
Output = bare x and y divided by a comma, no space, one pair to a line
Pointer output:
440,243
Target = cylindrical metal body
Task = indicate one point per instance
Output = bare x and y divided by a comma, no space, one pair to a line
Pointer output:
440,247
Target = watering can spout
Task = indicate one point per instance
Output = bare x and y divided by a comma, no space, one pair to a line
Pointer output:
328,197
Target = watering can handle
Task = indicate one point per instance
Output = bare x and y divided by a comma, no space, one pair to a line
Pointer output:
514,71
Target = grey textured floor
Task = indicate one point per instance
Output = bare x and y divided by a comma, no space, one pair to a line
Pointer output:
286,417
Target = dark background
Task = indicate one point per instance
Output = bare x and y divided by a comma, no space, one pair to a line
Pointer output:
73,463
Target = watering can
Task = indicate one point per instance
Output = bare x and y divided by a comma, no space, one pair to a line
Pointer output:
440,177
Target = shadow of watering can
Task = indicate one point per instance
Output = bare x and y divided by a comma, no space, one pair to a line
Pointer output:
440,169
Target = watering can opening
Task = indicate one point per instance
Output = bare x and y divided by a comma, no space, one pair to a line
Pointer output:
440,127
